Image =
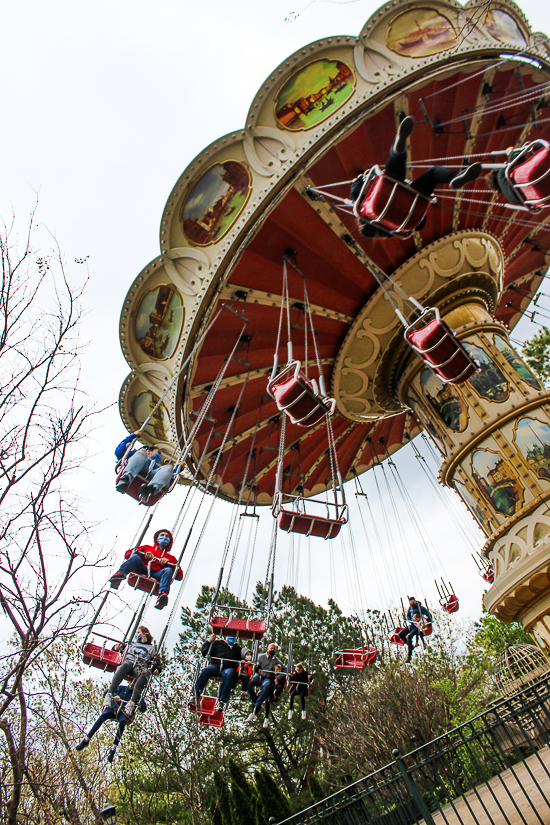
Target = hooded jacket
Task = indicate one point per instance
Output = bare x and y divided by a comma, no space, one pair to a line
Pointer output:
161,555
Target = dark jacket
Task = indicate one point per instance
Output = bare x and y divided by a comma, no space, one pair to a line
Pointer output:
223,655
418,608
125,694
266,663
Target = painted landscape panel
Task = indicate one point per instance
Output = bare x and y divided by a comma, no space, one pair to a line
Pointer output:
159,320
497,480
313,94
532,437
446,401
159,426
420,32
215,202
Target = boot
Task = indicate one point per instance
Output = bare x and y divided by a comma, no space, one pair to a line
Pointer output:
111,754
145,493
116,580
129,709
466,175
84,744
107,700
162,601
403,131
290,715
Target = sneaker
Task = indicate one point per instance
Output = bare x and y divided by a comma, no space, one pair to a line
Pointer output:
290,715
129,709
303,714
108,698
145,493
266,723
84,744
252,716
220,706
162,601
111,754
468,174
122,485
116,580
403,131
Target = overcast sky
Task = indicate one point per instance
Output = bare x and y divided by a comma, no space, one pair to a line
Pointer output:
104,104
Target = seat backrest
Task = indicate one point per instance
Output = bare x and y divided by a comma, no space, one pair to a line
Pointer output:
532,177
393,204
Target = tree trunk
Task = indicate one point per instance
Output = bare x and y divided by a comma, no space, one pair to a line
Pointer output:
278,761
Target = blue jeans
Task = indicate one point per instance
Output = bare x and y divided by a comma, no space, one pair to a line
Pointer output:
106,716
265,689
135,565
137,465
229,680
408,634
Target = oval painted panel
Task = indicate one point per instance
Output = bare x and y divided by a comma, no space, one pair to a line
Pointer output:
489,382
502,27
313,94
159,426
446,401
532,438
420,32
497,481
159,321
516,363
215,202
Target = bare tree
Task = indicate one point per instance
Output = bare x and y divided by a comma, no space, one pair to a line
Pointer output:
44,421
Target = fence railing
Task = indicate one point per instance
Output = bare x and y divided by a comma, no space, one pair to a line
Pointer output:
493,769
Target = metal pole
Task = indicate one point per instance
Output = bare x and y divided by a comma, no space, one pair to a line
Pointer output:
413,790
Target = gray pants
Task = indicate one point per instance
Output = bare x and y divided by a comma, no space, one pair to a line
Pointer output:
136,465
127,669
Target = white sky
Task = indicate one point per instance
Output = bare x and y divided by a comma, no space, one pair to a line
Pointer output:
104,104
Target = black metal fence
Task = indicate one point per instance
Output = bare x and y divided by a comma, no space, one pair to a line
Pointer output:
493,769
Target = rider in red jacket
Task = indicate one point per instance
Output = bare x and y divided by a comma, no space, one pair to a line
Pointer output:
154,559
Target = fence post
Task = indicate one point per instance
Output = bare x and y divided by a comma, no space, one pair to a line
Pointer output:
415,793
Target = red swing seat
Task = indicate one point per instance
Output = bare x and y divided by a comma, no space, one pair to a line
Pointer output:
394,638
208,715
293,521
133,489
143,583
101,657
392,204
244,628
437,345
529,174
427,629
356,658
298,397
488,575
449,603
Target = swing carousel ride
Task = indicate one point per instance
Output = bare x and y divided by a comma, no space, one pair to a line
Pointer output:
281,353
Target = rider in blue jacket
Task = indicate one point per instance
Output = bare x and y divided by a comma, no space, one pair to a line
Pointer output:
147,462
415,612
121,696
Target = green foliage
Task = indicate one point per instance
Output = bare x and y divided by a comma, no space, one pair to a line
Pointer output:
493,636
536,352
222,799
273,801
241,796
316,789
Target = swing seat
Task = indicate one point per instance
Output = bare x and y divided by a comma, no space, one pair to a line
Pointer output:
100,657
133,489
143,583
529,174
428,628
350,659
488,575
244,628
392,204
436,344
293,521
208,715
299,397
449,604
394,638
